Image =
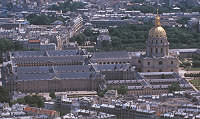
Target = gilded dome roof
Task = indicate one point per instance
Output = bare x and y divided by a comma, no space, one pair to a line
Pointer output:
157,31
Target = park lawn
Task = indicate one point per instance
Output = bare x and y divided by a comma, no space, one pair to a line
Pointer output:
196,83
194,69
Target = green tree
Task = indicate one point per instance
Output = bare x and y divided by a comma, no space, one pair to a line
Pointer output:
122,90
68,5
102,92
183,20
174,87
20,101
8,45
4,95
34,101
80,38
42,19
106,45
52,95
196,64
163,76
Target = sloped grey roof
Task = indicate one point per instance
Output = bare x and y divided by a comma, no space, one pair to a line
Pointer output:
44,59
112,67
44,53
114,54
51,76
52,69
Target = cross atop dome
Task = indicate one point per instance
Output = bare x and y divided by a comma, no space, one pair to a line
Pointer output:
157,20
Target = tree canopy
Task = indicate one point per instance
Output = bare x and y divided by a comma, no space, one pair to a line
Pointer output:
4,95
132,37
174,87
87,35
43,19
68,5
7,45
33,101
52,95
122,90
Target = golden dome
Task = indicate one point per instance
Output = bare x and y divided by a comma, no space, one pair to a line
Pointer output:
157,31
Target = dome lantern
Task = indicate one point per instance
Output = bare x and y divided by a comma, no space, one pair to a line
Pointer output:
157,20
157,44
157,31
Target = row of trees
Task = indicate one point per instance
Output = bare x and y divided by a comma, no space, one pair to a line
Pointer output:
174,87
147,8
68,5
196,60
133,37
43,19
33,101
87,35
8,45
4,95
192,74
121,90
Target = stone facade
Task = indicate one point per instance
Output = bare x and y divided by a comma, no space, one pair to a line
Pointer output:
56,84
157,57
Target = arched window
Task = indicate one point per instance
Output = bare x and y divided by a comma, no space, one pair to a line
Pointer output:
160,63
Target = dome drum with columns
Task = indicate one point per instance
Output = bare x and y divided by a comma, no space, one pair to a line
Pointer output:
157,57
157,44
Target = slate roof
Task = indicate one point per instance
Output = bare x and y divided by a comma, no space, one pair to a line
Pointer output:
106,55
44,59
45,53
52,69
58,76
112,67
